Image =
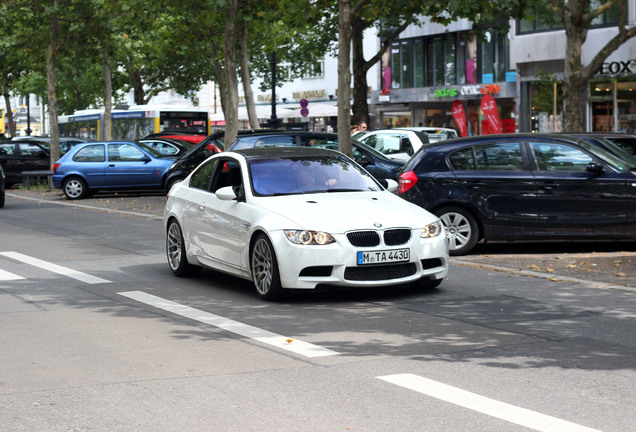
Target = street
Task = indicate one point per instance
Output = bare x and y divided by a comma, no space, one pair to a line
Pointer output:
98,335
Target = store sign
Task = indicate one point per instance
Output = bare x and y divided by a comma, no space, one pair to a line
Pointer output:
459,114
441,93
617,67
489,107
475,90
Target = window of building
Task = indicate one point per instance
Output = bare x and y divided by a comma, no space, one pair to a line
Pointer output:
400,64
445,60
495,57
541,24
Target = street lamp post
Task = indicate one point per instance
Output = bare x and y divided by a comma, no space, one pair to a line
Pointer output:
273,121
28,104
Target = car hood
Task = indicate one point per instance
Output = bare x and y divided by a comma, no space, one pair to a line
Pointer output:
344,211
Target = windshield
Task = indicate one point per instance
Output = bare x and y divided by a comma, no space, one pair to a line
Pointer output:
307,174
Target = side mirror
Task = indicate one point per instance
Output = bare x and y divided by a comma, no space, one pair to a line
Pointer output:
145,159
390,185
594,168
364,160
225,193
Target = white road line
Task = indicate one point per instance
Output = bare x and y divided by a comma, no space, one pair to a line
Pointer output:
54,268
264,336
491,407
6,276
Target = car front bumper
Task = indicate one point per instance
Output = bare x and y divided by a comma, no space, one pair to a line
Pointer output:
306,267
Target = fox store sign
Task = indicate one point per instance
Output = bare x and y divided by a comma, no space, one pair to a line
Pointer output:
617,68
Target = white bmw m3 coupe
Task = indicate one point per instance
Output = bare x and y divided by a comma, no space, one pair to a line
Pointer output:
296,218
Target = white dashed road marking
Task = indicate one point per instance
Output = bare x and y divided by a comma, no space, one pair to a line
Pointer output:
264,336
54,268
491,407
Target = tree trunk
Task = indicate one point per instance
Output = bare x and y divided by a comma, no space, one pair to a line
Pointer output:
51,91
230,74
245,78
574,75
360,84
139,94
344,77
108,99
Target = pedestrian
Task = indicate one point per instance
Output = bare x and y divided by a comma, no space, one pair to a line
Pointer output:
362,126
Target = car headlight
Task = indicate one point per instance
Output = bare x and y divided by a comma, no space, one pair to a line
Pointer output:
305,237
431,230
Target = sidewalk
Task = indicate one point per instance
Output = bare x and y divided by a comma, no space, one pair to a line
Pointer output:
600,264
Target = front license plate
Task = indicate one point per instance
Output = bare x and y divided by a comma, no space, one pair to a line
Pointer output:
385,256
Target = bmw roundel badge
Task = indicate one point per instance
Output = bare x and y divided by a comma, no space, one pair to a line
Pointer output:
377,225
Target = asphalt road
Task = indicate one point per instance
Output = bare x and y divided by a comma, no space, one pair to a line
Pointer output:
601,264
96,334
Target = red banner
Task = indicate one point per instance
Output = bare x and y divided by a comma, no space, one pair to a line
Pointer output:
460,117
489,107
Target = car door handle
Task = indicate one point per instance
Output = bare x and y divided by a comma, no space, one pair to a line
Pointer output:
111,165
549,185
477,184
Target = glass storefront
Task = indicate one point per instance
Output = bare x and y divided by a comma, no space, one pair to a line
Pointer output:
613,104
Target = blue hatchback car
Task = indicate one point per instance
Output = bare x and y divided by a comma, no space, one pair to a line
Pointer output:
90,167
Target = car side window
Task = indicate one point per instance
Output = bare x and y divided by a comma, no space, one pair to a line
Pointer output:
163,147
559,157
462,160
122,152
227,172
32,150
91,153
201,178
499,157
7,149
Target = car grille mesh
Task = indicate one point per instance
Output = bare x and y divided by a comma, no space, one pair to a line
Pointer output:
392,237
381,272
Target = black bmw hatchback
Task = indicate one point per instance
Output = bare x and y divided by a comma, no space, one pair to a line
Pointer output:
523,187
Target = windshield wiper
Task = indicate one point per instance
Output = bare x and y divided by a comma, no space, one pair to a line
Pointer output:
344,190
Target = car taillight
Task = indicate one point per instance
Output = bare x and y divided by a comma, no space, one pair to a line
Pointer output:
406,181
55,167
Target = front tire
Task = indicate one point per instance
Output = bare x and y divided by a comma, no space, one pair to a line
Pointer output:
75,188
176,253
461,228
265,275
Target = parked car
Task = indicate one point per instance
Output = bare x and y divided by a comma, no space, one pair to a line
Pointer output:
19,156
600,140
298,218
627,142
168,146
192,137
187,162
522,187
399,144
376,163
2,180
90,167
434,133
66,142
